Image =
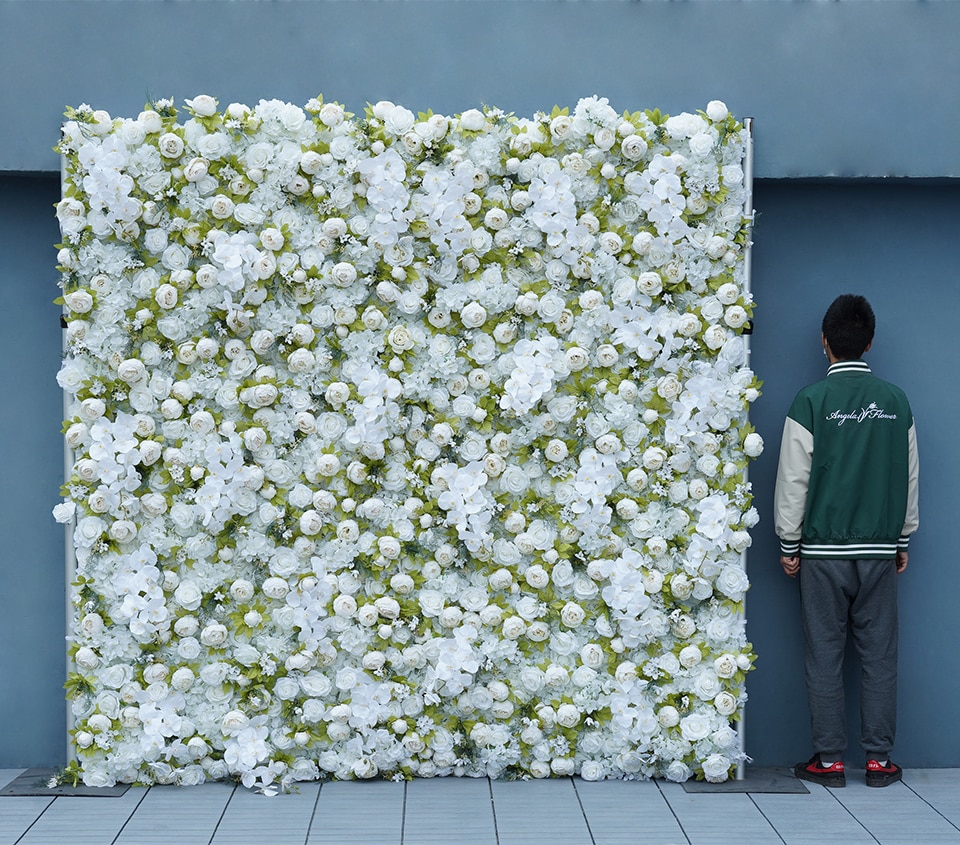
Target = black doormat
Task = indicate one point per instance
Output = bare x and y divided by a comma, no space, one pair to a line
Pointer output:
33,782
754,780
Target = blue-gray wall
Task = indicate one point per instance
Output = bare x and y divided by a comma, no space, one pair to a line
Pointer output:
32,570
850,88
894,242
838,89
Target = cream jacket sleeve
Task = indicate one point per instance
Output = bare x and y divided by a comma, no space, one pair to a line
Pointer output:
911,521
793,479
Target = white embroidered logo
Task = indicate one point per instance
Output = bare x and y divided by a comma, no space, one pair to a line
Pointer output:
871,412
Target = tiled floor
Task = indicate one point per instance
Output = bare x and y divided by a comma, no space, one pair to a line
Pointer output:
925,808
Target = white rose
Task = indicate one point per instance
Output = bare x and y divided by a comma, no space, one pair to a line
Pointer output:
221,207
633,147
592,656
171,145
389,547
186,626
260,395
715,336
348,531
725,665
550,307
694,727
311,523
196,169
388,608
717,110
668,716
707,685
740,541
654,457
650,283
610,242
577,358
203,105
572,615
400,339
604,137
472,120
568,716
345,605
242,590
537,577
681,586
753,445
79,301
132,371
123,530
735,316
689,656
732,174
275,588
698,489
513,627
732,582
343,274
473,315
331,114
636,479
555,451
188,595
607,355
182,679
716,768
214,635
301,361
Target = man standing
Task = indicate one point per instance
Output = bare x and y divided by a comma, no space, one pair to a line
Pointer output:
846,505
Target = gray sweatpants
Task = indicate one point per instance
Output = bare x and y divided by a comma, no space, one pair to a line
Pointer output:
859,596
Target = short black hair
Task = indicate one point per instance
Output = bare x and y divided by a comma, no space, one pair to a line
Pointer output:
848,326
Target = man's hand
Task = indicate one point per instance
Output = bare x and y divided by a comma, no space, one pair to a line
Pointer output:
791,565
902,560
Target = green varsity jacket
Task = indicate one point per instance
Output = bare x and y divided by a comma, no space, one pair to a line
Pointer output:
847,477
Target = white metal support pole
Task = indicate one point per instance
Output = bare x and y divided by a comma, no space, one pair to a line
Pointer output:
70,567
748,212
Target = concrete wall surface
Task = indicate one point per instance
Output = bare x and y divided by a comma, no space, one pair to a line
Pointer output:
892,241
853,88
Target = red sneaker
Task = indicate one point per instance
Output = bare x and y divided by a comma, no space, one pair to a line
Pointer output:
815,772
878,775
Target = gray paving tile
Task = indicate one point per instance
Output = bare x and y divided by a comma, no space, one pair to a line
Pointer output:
628,812
718,818
252,818
185,815
83,821
539,811
803,819
358,813
439,810
897,816
17,814
938,787
452,811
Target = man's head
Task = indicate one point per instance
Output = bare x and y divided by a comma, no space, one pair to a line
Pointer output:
848,326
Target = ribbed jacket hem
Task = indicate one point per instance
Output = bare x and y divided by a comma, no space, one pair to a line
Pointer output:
876,550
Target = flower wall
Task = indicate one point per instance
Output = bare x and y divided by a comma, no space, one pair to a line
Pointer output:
405,445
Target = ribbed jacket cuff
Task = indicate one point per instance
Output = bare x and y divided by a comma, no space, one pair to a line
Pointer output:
903,542
789,548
